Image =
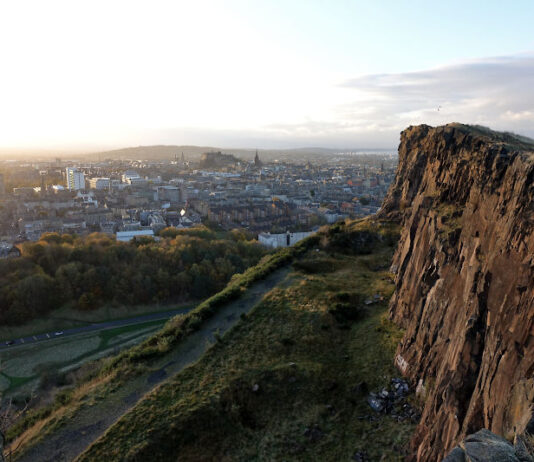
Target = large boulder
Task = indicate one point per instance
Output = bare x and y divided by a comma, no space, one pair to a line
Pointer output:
485,446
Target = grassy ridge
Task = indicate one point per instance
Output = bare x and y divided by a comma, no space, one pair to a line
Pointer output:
366,244
289,381
180,326
108,374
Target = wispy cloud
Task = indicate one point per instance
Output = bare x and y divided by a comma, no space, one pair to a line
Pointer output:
496,92
370,111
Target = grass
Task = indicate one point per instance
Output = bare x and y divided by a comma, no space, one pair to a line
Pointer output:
109,337
182,325
24,365
284,384
287,367
450,220
65,318
109,374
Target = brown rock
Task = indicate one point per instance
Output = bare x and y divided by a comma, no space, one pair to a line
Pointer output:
465,280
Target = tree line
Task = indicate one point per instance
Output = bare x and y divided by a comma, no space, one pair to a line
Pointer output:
88,272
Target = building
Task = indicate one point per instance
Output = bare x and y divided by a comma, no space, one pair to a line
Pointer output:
23,191
2,185
169,193
257,162
75,179
281,240
127,236
99,183
42,189
83,199
8,250
130,176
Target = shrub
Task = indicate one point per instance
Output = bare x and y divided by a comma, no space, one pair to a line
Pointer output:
347,307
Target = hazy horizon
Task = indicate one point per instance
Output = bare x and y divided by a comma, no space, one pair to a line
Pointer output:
98,76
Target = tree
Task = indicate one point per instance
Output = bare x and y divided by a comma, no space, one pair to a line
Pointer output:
87,302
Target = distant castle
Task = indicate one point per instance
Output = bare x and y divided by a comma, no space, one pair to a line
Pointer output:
217,159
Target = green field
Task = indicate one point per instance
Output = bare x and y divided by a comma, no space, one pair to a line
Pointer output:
21,367
66,318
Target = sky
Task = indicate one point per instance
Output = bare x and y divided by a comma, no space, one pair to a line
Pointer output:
87,75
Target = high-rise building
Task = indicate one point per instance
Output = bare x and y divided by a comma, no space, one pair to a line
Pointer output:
42,190
75,179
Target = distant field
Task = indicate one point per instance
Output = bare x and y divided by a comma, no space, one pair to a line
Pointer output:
65,318
21,367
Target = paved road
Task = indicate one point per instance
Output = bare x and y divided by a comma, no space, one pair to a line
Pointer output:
92,327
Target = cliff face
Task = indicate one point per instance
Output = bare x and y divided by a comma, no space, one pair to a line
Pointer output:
464,281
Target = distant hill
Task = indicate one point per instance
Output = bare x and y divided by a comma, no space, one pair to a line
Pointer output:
194,153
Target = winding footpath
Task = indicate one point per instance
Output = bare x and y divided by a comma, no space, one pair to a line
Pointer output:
90,422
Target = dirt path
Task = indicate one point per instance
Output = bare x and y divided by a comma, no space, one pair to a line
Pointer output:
90,422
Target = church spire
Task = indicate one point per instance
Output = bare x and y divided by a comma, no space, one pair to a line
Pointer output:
257,161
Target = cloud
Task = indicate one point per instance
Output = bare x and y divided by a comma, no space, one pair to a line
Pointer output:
370,111
496,92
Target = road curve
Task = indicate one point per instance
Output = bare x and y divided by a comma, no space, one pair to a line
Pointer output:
67,441
13,343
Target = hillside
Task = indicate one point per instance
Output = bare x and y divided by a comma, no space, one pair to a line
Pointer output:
194,153
299,358
464,284
289,381
286,382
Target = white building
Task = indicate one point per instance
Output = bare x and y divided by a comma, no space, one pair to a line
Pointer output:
281,240
75,179
127,236
130,176
99,183
57,187
86,199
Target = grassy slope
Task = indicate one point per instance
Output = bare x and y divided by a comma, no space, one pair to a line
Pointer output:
23,365
112,374
306,366
66,318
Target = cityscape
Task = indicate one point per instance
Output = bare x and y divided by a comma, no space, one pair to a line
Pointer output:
266,231
134,198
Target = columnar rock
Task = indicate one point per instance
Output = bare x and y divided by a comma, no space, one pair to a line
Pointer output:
465,281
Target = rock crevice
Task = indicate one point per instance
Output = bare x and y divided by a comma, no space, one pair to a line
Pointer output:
465,280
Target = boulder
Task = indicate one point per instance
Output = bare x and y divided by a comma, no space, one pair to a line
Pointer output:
485,446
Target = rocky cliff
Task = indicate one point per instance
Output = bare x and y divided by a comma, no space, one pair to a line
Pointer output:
464,281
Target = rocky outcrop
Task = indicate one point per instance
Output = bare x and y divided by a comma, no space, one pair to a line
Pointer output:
485,446
465,281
